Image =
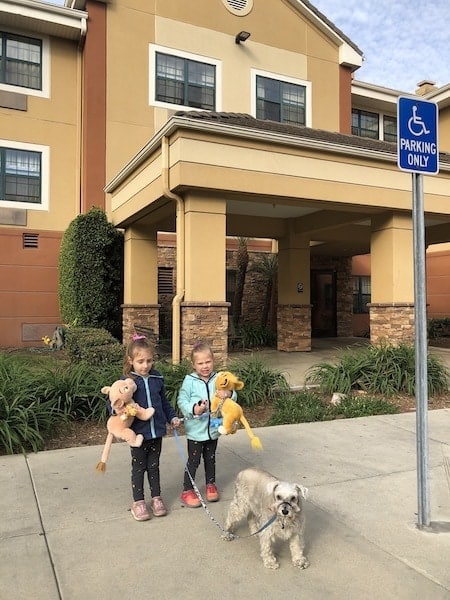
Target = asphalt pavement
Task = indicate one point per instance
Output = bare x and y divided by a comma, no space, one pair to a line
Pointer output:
66,531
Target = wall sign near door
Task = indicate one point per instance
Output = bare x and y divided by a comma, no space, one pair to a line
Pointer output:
300,288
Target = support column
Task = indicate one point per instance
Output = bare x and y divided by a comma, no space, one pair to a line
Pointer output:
140,307
392,279
294,293
204,312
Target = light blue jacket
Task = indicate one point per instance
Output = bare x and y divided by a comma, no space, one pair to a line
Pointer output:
194,389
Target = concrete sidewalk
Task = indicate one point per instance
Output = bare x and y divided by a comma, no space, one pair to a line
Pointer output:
66,532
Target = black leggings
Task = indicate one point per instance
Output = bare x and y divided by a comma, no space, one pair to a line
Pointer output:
145,459
195,452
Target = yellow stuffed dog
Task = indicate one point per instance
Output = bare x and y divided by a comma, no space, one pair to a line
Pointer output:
230,410
124,411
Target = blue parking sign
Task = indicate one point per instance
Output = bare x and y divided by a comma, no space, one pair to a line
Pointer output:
417,127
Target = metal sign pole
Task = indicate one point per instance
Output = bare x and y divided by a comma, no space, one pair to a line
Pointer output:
420,327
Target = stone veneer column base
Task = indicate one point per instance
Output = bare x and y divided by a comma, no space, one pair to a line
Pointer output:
392,323
208,322
144,315
294,327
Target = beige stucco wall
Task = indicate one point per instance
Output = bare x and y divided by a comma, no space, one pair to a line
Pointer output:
296,50
53,122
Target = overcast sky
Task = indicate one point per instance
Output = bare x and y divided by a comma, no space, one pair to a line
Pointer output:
403,41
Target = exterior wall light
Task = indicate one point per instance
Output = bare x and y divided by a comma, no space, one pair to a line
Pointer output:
242,36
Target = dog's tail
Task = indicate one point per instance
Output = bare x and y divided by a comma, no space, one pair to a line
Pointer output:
101,465
255,441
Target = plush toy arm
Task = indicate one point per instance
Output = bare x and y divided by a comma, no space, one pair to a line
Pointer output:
144,414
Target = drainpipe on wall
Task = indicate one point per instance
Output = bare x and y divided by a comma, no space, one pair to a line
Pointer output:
176,302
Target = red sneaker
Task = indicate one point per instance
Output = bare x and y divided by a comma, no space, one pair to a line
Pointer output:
189,498
212,493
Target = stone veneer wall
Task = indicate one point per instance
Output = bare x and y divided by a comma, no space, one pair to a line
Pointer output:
294,327
393,323
205,321
145,315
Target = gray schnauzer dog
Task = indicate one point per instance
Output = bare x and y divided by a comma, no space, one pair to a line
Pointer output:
258,496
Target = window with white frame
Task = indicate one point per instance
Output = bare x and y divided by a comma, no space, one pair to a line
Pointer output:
389,128
281,99
25,64
23,175
183,80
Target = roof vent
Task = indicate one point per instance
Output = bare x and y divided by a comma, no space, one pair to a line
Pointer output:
238,7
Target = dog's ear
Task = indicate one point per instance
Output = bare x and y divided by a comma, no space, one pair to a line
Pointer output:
302,490
271,487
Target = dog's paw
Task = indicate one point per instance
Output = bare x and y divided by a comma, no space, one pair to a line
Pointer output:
228,536
271,564
301,563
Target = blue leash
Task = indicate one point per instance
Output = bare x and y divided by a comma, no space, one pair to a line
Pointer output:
199,496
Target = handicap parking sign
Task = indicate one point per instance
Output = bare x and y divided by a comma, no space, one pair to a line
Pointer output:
417,145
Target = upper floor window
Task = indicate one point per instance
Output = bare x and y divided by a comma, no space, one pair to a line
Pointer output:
183,79
389,128
284,100
365,124
20,61
23,175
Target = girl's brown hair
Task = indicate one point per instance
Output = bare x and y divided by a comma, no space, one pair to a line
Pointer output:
136,344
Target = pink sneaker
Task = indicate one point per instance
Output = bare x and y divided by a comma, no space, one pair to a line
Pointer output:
157,506
139,511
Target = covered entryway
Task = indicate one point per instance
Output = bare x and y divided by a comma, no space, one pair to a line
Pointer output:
324,197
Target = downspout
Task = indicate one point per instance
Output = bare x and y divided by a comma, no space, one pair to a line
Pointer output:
179,295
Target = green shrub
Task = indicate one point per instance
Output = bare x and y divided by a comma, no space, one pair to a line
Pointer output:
26,415
97,347
173,377
364,406
261,383
91,273
378,369
437,328
300,407
253,335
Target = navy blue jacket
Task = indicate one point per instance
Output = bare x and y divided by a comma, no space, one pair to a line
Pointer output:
151,392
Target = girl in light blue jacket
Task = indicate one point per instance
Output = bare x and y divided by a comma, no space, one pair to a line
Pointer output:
194,397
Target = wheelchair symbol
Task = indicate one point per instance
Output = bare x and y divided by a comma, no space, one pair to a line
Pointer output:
415,124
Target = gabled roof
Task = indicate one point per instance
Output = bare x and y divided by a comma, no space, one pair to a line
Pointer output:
43,18
349,53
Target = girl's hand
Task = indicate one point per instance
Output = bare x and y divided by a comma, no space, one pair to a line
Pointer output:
200,407
223,394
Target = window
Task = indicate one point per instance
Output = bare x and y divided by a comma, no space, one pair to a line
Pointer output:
389,129
365,124
20,61
361,294
281,101
165,280
23,175
182,79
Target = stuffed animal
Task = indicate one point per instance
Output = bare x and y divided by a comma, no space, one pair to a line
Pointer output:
121,397
231,412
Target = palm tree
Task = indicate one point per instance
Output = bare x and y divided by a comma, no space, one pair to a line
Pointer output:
242,264
267,266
